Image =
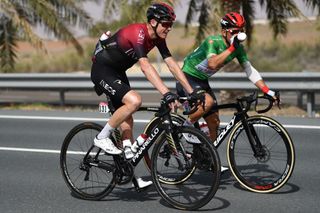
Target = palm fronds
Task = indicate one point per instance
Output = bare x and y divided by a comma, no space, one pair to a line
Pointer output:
278,12
55,16
7,44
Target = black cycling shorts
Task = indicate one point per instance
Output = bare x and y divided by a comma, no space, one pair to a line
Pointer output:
114,83
197,83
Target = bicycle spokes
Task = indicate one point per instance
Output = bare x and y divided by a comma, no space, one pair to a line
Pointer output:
266,164
201,156
88,172
188,178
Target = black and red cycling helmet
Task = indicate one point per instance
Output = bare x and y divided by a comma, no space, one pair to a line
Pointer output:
161,12
232,20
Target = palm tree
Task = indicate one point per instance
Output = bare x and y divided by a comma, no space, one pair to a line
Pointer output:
123,11
209,12
132,11
19,16
278,12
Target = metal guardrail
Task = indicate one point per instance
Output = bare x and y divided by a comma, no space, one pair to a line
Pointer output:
302,83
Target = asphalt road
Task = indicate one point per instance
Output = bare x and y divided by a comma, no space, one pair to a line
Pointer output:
30,178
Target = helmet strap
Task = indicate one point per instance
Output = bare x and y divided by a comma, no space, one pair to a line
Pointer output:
155,29
225,37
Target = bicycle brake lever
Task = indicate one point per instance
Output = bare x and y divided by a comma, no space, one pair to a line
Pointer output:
203,103
277,94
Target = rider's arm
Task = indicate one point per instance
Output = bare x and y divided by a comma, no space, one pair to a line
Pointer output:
256,78
215,62
251,72
177,73
152,75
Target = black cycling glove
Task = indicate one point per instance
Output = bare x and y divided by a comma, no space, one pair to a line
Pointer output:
169,97
197,94
234,43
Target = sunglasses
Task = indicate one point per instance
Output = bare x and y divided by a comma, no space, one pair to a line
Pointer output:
166,24
234,31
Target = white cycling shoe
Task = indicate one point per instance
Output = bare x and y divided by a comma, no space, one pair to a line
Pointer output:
142,184
224,169
107,145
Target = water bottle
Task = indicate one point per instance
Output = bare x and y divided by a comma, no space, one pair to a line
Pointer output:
138,142
104,37
127,148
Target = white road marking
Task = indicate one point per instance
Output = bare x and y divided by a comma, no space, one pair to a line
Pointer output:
25,117
17,149
29,150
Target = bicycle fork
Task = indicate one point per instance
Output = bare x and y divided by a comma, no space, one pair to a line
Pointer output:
254,140
176,151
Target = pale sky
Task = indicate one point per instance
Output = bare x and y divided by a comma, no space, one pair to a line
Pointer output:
95,10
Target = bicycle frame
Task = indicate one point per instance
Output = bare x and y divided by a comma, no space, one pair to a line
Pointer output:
240,115
163,127
146,145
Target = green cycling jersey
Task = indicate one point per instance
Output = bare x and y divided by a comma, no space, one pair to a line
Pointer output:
196,63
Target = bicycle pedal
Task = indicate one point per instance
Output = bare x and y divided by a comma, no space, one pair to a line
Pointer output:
138,189
141,189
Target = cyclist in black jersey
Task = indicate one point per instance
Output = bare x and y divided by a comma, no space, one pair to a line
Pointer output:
114,55
210,56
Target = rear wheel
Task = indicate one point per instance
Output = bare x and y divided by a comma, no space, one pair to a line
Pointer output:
87,170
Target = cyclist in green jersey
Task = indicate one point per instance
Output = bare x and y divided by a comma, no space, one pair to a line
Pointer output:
209,57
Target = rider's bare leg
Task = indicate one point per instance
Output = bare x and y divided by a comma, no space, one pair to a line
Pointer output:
126,129
132,102
200,112
213,123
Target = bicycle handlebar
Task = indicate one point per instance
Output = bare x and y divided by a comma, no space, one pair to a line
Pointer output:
165,109
254,98
194,105
245,102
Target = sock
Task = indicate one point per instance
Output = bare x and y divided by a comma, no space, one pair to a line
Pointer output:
187,122
105,132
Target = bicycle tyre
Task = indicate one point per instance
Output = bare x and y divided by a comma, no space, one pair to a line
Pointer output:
261,174
201,185
177,120
74,169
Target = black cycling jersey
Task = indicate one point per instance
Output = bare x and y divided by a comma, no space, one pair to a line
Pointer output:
128,45
116,54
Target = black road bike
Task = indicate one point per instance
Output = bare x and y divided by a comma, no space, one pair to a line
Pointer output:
91,174
260,152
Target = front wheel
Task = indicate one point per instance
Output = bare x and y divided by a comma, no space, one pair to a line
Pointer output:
197,158
87,171
271,167
178,121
